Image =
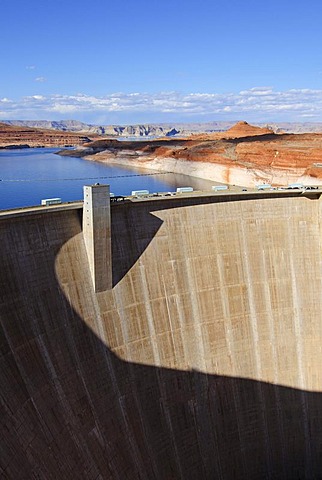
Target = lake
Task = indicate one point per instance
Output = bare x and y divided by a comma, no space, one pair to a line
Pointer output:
29,175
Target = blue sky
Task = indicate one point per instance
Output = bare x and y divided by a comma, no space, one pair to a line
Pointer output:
173,61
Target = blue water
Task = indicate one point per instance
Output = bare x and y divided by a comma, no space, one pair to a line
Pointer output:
29,175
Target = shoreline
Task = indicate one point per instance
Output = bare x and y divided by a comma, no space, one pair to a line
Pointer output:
219,173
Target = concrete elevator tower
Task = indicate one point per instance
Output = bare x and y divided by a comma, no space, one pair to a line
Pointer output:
97,234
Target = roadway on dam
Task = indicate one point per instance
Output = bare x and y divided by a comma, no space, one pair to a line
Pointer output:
203,360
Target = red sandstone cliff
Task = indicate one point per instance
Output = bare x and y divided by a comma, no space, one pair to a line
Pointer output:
244,155
12,136
239,130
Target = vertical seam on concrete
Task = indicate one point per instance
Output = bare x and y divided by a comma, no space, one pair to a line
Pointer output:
149,314
194,305
168,309
133,444
156,353
70,339
61,395
268,302
299,356
254,329
229,338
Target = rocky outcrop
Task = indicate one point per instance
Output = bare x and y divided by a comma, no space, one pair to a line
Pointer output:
243,129
244,155
143,130
23,137
239,130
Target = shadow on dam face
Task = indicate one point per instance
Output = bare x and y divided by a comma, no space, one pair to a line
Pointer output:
203,362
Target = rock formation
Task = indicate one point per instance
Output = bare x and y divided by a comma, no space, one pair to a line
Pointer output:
243,155
239,130
160,129
22,137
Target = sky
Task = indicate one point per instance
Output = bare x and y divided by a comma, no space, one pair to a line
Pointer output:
108,62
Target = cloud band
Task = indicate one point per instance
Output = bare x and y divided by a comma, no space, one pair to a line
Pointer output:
257,103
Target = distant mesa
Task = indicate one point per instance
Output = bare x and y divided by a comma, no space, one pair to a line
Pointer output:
243,129
172,132
161,129
21,136
238,130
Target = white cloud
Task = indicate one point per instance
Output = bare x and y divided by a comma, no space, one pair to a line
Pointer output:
63,108
257,91
254,104
38,97
40,79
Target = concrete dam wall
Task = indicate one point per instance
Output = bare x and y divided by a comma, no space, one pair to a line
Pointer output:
203,361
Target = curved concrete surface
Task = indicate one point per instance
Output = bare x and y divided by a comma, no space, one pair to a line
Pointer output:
202,362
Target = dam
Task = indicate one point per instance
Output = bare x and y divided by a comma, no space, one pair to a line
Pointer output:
200,359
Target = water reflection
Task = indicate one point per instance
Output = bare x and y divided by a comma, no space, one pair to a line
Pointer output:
28,175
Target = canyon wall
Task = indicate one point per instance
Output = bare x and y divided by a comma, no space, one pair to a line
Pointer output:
227,172
24,137
152,129
202,361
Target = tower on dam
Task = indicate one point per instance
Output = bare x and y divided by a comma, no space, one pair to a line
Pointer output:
97,234
196,356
